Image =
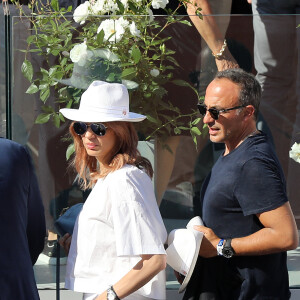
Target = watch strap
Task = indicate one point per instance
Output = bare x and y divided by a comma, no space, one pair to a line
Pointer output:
220,247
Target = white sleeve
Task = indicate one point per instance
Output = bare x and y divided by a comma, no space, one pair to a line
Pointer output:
138,225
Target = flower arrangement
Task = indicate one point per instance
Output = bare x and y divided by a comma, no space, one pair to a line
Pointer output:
110,40
295,152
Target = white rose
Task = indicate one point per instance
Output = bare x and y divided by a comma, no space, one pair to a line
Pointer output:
81,12
110,27
79,54
295,152
98,7
156,4
154,72
134,30
111,6
122,22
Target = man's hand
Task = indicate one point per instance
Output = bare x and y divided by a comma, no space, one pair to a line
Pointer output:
65,242
179,277
209,243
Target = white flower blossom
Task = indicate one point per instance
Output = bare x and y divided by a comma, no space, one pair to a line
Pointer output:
154,72
122,22
82,12
98,7
79,54
110,27
111,6
134,30
156,4
295,152
150,13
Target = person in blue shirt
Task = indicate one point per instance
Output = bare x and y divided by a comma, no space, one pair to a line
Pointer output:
248,222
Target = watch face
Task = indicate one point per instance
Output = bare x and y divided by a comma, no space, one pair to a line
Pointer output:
111,295
227,252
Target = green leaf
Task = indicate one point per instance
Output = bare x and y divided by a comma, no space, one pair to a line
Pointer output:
151,119
136,54
177,130
196,121
155,56
47,109
183,128
44,94
42,118
196,130
128,71
32,89
181,82
56,120
132,7
70,151
55,5
121,7
194,139
186,22
27,70
61,117
100,37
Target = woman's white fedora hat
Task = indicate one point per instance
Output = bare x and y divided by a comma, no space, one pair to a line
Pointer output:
103,102
183,250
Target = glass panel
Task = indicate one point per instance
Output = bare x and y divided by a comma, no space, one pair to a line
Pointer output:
2,76
179,173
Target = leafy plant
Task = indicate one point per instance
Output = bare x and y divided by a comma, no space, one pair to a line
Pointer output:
116,40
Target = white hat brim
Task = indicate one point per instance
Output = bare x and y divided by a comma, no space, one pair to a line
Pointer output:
191,269
90,116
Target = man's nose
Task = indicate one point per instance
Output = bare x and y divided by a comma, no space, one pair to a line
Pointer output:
208,118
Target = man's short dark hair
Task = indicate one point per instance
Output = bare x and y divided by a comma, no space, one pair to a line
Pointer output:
250,88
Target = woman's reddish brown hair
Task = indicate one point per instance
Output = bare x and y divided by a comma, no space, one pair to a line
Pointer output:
124,152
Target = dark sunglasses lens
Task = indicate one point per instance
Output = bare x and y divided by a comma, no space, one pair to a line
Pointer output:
98,129
80,128
202,109
214,113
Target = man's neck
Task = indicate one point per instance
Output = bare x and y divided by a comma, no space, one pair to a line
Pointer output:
230,147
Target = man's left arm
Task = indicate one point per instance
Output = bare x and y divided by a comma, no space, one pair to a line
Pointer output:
279,234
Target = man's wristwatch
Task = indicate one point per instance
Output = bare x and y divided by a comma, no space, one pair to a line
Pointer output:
111,294
227,250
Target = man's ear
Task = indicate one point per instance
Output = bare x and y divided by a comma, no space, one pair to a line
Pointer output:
249,111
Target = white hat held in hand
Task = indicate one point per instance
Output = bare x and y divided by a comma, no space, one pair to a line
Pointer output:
183,249
103,102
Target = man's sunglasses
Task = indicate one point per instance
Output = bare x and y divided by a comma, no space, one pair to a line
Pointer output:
81,128
215,112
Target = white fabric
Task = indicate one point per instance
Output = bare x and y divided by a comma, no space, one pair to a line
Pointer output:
130,297
119,222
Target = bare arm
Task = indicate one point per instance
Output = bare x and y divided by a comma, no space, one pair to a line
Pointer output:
279,234
210,32
145,269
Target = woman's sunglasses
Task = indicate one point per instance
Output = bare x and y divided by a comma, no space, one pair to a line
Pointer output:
80,128
215,112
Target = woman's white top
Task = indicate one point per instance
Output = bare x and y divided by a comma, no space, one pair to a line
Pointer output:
120,221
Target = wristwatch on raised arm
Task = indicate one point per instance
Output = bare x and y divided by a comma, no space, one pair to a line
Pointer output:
111,294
